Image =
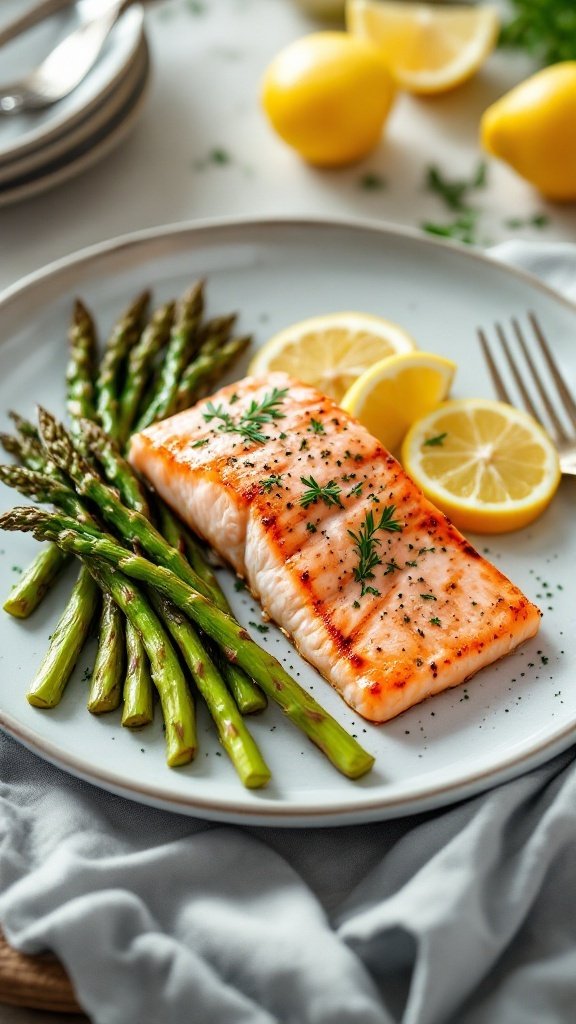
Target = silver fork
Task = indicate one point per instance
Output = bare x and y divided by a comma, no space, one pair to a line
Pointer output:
65,67
554,396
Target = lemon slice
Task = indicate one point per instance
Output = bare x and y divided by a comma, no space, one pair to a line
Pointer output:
331,351
490,467
398,390
429,48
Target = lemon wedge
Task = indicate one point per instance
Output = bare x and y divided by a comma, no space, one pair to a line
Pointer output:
490,467
429,48
331,351
396,391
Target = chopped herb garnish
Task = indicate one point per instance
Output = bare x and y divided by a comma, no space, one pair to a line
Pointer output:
269,482
356,491
250,424
356,604
316,427
454,193
371,182
537,220
234,398
366,544
259,626
329,494
436,442
435,621
303,444
310,527
428,597
391,567
239,585
200,443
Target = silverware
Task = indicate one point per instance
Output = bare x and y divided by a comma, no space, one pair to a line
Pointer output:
33,16
554,407
65,67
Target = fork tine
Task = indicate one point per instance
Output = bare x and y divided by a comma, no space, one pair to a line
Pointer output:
529,404
569,404
561,433
497,381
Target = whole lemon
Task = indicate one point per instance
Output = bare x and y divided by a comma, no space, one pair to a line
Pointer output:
533,128
328,96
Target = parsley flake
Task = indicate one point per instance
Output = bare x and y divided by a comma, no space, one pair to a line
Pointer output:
436,442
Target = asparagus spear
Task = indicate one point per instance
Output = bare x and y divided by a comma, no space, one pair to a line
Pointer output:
202,371
81,369
46,566
183,339
108,672
175,697
140,364
132,526
117,470
234,736
247,695
123,337
35,581
66,642
342,749
24,427
138,703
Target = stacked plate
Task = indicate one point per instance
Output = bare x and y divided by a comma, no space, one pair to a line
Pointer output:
44,148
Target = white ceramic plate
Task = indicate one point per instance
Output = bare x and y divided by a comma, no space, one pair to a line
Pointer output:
23,133
508,718
89,147
58,149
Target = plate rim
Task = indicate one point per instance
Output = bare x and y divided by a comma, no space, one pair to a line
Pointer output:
297,815
197,225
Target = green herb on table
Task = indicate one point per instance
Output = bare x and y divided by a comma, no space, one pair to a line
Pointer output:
462,229
546,29
455,192
329,494
537,220
371,182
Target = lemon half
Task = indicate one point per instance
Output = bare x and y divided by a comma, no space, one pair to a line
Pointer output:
428,47
490,467
331,351
396,391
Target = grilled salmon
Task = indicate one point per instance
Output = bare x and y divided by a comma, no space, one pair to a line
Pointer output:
377,589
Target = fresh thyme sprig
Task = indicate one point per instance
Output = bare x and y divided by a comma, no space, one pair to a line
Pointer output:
250,424
366,544
329,494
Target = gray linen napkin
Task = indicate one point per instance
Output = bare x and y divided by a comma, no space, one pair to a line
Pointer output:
461,916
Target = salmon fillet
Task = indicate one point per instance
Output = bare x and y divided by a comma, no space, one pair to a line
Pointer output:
377,589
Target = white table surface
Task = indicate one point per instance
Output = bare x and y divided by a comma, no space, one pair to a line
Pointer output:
208,58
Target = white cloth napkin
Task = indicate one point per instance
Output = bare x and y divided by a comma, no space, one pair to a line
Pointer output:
461,916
